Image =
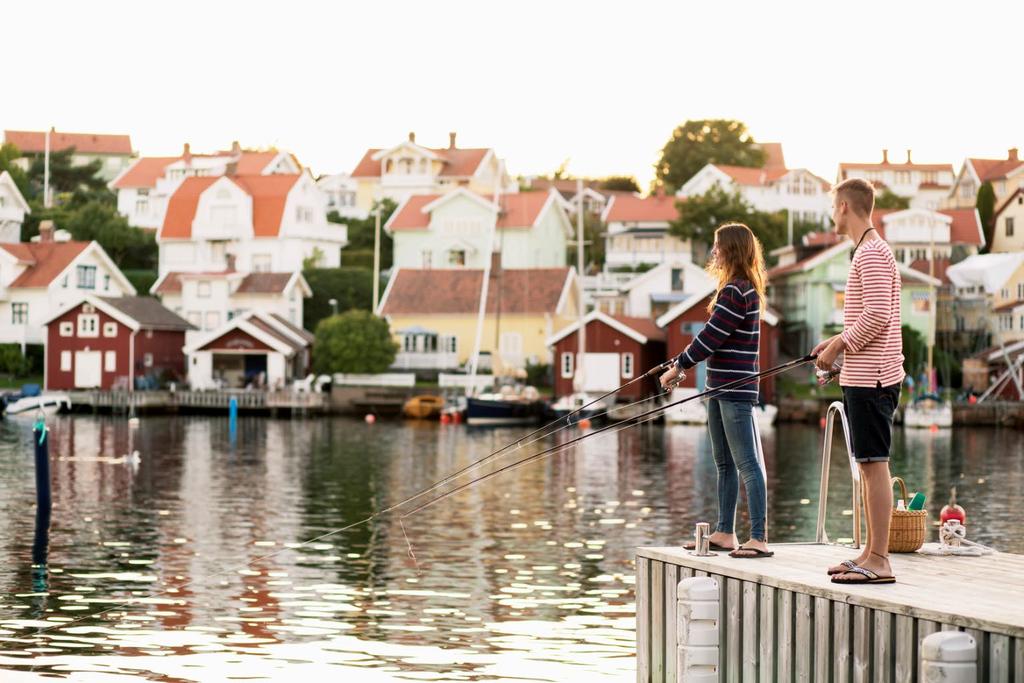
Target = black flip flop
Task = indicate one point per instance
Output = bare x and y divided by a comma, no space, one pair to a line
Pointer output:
711,546
757,553
869,577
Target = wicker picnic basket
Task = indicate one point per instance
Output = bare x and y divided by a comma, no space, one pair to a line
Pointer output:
908,528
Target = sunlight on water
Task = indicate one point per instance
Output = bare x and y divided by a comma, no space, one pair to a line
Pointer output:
190,564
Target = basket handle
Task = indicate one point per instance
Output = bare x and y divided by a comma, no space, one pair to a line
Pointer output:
903,487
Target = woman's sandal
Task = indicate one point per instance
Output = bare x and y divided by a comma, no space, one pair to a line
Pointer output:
750,553
869,577
849,564
711,546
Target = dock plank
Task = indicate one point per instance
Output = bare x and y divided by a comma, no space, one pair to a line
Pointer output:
734,631
883,652
906,649
750,623
766,633
999,659
643,617
804,627
862,642
843,655
822,640
671,639
785,639
659,649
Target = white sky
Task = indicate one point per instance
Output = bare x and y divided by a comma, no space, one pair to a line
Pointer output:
600,83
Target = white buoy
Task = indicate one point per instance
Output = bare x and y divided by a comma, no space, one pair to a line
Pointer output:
950,657
697,632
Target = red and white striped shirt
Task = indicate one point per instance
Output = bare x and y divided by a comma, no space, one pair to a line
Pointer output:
871,318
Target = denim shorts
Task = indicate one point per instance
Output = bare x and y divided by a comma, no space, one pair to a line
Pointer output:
869,411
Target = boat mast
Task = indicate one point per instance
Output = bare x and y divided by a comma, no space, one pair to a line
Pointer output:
581,335
933,314
482,310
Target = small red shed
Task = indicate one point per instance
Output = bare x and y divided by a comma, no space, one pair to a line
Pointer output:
618,349
684,321
108,343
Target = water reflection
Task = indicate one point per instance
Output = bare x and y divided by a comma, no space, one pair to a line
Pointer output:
526,576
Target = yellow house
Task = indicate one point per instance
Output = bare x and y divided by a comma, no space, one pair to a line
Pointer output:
410,169
433,315
1008,222
1005,175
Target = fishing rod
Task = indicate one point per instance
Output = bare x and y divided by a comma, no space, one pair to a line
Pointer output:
633,421
518,443
638,418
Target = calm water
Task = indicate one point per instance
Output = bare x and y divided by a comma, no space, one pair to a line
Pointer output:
527,576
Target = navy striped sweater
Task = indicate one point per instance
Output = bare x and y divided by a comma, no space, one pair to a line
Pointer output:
729,342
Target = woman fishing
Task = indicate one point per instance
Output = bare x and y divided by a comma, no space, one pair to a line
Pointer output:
729,343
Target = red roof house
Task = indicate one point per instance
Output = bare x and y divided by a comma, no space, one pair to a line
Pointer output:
619,349
112,342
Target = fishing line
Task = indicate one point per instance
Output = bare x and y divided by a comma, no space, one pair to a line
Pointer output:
655,411
629,422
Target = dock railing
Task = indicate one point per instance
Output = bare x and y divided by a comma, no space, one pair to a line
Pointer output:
836,408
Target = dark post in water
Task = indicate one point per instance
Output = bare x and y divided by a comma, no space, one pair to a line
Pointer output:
44,502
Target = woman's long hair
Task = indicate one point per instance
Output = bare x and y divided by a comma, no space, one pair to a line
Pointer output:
737,256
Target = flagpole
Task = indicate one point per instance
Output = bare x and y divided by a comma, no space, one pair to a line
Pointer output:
46,171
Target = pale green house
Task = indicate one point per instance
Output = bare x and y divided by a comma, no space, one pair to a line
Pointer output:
461,229
808,289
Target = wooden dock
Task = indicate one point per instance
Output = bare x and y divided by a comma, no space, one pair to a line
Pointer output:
781,619
272,402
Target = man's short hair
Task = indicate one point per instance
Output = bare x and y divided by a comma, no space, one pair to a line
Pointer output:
858,193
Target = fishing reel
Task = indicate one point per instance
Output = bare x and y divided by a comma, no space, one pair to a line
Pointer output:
826,376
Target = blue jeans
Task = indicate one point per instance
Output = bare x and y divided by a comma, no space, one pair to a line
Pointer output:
734,446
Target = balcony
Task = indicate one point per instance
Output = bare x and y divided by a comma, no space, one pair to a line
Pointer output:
431,360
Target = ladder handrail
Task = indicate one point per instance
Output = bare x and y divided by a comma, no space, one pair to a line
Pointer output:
834,408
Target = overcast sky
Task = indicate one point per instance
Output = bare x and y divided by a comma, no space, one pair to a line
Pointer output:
600,84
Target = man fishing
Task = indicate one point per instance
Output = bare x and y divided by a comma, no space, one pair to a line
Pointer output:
872,372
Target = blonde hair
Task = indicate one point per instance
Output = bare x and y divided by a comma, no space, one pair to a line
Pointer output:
858,193
738,256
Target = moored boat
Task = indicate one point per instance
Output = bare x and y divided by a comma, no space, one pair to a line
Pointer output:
423,407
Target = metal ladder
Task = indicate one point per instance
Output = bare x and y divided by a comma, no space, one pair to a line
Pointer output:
836,408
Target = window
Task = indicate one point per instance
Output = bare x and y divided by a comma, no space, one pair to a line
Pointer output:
65,361
147,360
677,280
142,205
203,289
1009,226
67,329
567,363
902,177
450,344
64,282
510,344
109,329
88,325
967,190
110,361
212,320
627,365
426,258
457,257
106,283
1004,293
223,215
194,318
1020,290
86,276
261,263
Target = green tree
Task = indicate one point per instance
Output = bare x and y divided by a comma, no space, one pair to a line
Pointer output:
986,206
352,288
65,176
8,153
619,183
695,144
701,215
890,200
359,251
915,351
353,342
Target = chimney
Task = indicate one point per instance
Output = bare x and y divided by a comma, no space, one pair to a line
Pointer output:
412,136
46,231
451,140
236,148
1012,154
186,153
659,191
230,258
885,156
908,157
495,262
